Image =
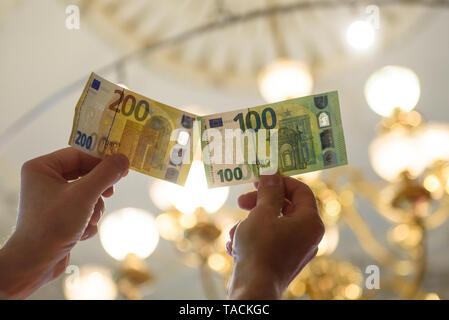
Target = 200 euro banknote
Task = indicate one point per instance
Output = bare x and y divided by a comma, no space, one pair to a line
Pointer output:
155,137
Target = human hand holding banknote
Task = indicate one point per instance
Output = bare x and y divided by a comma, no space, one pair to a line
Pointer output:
61,202
276,240
129,130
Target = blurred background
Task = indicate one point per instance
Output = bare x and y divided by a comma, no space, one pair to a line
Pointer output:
385,213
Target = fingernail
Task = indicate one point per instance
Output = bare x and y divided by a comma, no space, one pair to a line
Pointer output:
85,236
270,180
121,161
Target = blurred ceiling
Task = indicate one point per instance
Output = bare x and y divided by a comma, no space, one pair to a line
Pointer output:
228,42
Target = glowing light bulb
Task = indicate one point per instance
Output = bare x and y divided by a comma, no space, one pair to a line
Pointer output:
360,34
195,192
92,283
129,230
392,87
285,79
395,152
434,141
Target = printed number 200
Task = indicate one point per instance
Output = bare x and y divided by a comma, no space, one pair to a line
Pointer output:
83,140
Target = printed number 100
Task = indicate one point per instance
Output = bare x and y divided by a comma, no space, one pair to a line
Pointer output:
247,123
228,174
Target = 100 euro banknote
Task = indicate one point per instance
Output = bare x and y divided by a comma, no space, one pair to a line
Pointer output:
290,137
155,137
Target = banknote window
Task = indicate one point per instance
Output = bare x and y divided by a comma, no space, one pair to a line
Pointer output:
183,138
323,120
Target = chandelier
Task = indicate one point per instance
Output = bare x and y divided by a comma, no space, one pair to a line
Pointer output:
410,155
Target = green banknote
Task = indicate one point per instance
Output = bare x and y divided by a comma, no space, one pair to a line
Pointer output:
290,137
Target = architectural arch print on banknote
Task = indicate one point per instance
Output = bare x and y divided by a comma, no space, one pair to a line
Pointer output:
110,119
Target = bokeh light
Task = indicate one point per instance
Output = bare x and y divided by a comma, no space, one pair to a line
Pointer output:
161,193
392,87
434,142
129,230
360,34
285,79
395,152
92,283
193,195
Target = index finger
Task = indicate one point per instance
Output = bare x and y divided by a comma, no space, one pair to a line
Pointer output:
69,163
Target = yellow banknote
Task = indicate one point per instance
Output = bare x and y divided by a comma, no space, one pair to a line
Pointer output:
156,138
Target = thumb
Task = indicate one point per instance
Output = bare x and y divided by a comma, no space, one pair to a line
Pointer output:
270,192
103,176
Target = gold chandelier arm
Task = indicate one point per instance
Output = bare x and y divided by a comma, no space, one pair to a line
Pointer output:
369,191
391,214
367,239
437,218
420,267
400,286
407,289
